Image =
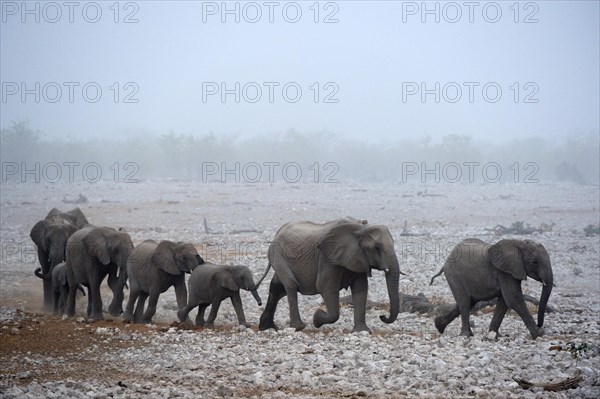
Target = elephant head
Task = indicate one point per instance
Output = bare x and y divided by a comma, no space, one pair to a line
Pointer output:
51,239
109,246
238,277
74,216
361,247
525,258
176,258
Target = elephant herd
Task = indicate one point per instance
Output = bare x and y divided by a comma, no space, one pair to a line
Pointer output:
307,258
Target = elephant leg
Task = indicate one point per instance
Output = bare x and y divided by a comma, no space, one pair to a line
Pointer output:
56,302
465,315
295,319
183,312
133,296
332,303
513,296
236,301
181,294
464,303
200,315
62,299
70,306
116,305
276,292
214,309
151,310
94,299
360,290
499,313
442,321
139,309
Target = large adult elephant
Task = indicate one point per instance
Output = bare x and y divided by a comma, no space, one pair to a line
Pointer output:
92,254
50,235
477,271
312,258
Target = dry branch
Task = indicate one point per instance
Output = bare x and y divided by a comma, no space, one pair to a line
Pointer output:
521,228
420,304
569,383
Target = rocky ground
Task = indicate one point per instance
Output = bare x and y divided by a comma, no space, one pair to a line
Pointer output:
42,355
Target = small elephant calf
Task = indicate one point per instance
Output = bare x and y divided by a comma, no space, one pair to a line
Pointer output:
60,286
211,284
154,267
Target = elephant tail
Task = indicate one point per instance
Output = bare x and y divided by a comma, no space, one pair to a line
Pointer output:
263,276
439,273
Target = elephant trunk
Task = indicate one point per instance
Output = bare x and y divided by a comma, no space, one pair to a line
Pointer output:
392,281
256,296
118,286
38,273
56,254
548,281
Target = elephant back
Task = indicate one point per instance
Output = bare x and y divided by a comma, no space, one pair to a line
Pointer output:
294,240
75,241
204,271
141,255
470,254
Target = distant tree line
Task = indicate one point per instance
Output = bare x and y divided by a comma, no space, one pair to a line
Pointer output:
318,155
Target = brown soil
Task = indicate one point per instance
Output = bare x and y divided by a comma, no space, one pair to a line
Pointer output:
64,343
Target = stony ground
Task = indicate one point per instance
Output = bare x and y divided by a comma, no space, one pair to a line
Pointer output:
44,356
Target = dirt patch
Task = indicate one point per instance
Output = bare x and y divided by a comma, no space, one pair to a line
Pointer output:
47,348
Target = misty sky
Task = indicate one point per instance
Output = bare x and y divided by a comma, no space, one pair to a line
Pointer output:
174,59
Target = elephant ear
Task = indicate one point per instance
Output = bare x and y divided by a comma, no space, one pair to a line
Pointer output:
53,212
79,217
340,246
96,245
38,234
369,237
224,279
506,256
164,258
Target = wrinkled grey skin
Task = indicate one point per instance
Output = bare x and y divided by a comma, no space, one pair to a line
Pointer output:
477,271
92,254
60,286
210,284
154,267
310,258
50,235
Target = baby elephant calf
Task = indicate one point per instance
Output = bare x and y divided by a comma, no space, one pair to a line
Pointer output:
211,284
60,286
152,268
